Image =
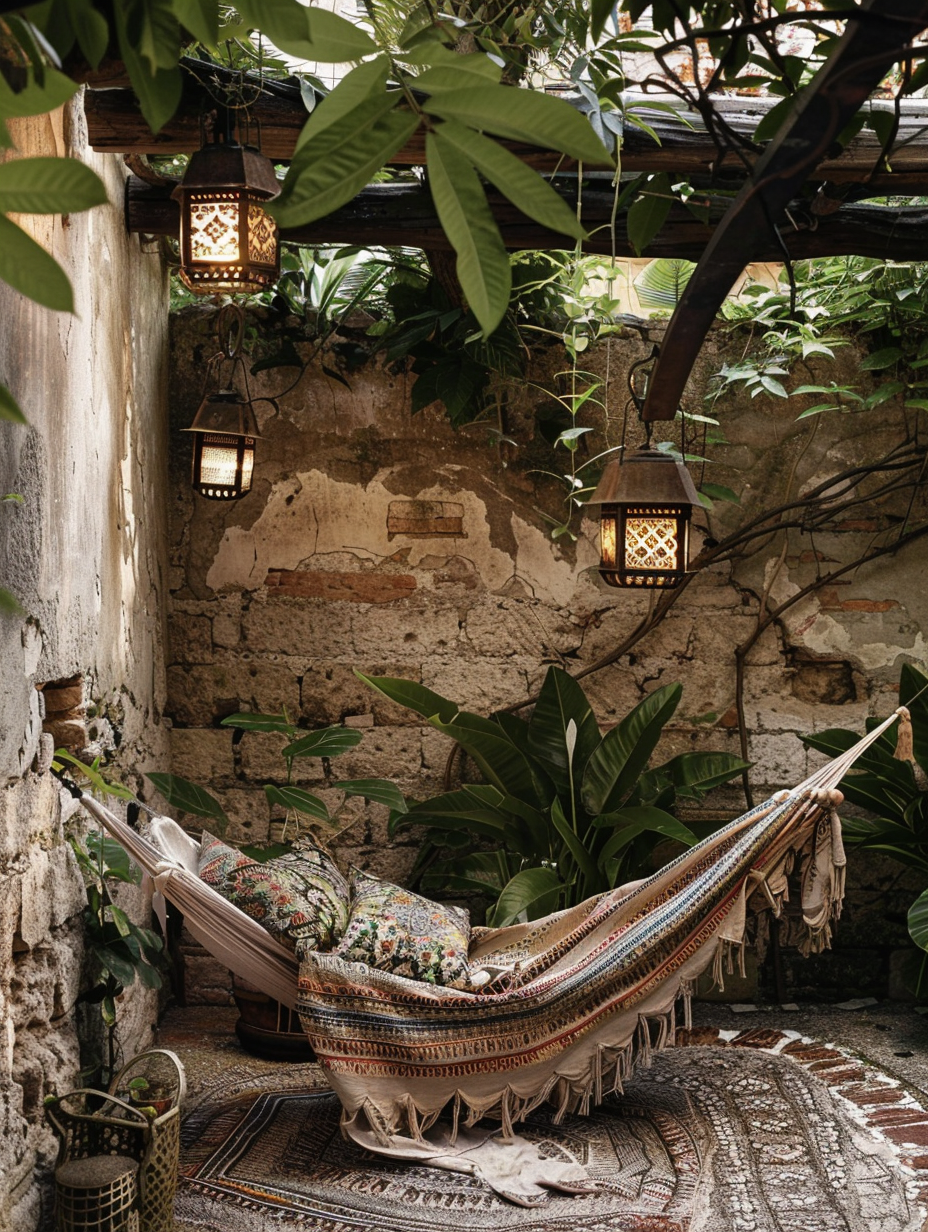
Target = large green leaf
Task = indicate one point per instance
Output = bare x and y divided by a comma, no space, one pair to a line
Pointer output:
522,115
298,800
615,765
918,921
354,88
9,407
326,742
693,774
159,91
334,166
49,186
381,791
912,682
878,760
662,282
200,17
483,268
480,872
34,99
97,782
249,721
524,187
560,700
628,823
412,695
533,893
498,759
583,858
188,797
648,211
311,33
28,268
461,73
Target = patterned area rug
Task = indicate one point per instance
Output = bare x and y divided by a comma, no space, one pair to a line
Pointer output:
708,1140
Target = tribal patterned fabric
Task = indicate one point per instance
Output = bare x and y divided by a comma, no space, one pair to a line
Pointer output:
590,990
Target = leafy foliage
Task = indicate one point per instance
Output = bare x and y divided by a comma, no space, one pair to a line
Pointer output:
894,794
565,811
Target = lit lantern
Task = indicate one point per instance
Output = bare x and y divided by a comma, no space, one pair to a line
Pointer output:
225,431
228,243
646,503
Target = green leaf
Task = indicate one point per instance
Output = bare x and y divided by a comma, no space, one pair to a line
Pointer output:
311,33
648,211
9,407
499,760
561,700
247,721
412,695
158,92
381,791
296,798
662,282
533,893
628,823
188,797
884,358
718,491
200,17
522,115
584,860
333,167
693,774
326,742
91,30
614,767
354,88
524,187
49,186
34,99
9,604
461,73
96,778
483,267
912,685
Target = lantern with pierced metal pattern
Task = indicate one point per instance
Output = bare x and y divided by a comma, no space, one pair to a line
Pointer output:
228,243
646,503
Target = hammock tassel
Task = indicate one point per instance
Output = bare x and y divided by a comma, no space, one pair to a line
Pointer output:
905,745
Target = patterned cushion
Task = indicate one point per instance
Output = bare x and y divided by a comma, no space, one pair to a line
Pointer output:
395,930
299,897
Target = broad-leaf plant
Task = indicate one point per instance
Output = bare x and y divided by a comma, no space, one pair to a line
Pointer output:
565,810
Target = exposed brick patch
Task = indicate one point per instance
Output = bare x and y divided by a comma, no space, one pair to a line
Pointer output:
899,1116
865,1096
758,1037
690,1037
425,519
812,1052
903,1135
830,600
345,587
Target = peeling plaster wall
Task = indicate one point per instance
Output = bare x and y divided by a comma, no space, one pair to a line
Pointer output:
377,540
84,554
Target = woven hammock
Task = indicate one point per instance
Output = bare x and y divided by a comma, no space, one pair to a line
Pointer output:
580,997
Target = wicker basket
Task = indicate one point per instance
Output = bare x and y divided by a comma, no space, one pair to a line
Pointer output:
91,1124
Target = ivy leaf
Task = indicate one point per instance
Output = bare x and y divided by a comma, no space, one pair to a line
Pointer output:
28,268
354,88
332,168
200,17
718,491
326,742
312,33
49,186
524,187
381,791
9,407
522,115
250,721
482,261
297,799
188,797
649,211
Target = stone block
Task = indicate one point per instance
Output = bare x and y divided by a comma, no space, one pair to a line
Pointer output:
385,752
206,981
191,639
202,754
227,624
309,629
403,630
248,813
365,586
201,696
476,684
52,891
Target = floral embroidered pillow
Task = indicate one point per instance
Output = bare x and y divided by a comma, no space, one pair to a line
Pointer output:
300,897
395,930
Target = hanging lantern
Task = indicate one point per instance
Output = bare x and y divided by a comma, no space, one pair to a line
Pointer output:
225,431
227,241
646,501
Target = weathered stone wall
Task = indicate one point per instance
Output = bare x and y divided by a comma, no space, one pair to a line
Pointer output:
84,554
390,543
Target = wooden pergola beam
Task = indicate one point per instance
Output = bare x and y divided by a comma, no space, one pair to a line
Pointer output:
115,125
403,215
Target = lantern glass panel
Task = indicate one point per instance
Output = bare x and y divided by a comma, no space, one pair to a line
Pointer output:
262,236
651,543
219,461
214,229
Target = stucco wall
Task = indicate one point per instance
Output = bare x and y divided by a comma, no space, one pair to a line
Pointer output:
391,543
83,553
